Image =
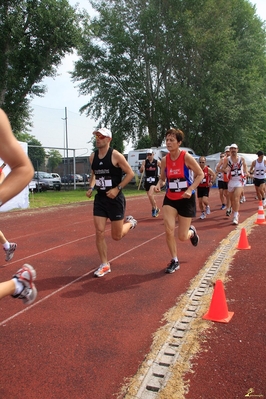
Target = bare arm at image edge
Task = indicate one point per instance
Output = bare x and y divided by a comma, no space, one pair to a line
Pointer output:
13,155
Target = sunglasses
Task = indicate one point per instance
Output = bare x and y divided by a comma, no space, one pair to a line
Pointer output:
201,162
100,136
149,155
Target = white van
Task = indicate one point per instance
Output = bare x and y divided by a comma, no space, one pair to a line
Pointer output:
136,157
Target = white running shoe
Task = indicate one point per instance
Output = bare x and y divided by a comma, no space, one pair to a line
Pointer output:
102,270
10,252
208,210
26,275
203,216
264,203
235,220
132,221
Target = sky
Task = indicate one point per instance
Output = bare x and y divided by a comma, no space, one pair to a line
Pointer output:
62,99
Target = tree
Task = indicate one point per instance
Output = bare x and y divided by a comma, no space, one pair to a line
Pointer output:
55,159
143,142
196,65
36,152
34,37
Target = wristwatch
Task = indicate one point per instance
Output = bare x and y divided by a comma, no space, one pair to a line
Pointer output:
119,187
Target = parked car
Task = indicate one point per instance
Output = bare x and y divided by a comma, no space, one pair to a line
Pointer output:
69,178
85,177
53,183
36,186
56,176
79,178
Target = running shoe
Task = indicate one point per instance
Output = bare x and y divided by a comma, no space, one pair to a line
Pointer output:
235,220
102,270
172,266
264,202
10,252
241,200
203,216
157,211
223,207
132,221
228,212
194,238
153,212
26,275
208,210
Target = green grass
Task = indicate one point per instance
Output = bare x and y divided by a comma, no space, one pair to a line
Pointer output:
52,198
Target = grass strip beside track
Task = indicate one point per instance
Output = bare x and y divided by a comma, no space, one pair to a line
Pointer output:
64,197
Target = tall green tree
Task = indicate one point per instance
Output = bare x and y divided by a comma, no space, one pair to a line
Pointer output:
35,35
55,159
36,153
196,65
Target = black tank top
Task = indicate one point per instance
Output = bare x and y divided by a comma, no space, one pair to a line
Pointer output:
107,175
151,168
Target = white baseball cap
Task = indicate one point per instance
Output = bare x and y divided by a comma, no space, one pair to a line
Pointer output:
233,146
149,151
104,131
227,148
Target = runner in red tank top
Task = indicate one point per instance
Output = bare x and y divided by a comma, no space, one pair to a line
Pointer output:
182,175
204,188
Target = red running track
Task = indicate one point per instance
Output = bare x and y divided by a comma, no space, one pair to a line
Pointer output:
83,337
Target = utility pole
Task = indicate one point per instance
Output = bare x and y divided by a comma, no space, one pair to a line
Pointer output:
66,140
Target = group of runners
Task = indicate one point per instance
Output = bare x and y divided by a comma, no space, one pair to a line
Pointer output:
180,174
230,173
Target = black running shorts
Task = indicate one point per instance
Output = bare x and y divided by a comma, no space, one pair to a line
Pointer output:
113,209
185,207
258,182
148,185
203,192
222,185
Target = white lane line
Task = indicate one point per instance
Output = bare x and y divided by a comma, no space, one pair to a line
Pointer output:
74,281
50,249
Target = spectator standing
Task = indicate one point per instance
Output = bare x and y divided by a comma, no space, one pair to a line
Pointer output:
150,168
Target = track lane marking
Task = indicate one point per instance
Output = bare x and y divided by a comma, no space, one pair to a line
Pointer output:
74,281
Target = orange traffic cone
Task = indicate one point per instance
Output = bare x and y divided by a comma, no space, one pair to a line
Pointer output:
218,310
260,216
243,241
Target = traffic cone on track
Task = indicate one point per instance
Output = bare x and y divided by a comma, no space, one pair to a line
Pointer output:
218,310
261,215
243,241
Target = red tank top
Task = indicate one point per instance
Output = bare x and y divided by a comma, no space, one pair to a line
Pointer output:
179,176
206,179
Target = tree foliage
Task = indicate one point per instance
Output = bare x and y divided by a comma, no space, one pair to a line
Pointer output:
55,159
36,153
198,65
34,37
